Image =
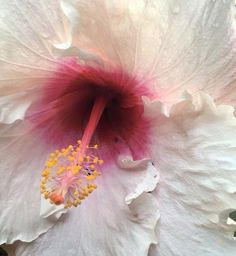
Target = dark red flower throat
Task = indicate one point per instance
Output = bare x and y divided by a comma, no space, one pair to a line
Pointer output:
67,101
102,107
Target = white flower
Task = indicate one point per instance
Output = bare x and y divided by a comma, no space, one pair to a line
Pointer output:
171,46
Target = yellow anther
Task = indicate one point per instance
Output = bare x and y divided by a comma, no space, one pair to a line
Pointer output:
60,170
50,163
45,173
43,181
70,147
69,203
76,169
75,204
100,161
81,159
81,197
90,190
46,194
68,173
91,177
85,191
65,153
95,160
71,158
52,155
42,186
92,166
91,185
96,173
77,201
76,192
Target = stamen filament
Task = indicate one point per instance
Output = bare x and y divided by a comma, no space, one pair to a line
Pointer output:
69,172
96,113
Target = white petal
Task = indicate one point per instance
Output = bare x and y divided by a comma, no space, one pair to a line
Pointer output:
50,210
149,182
13,107
181,45
22,158
28,29
104,224
195,149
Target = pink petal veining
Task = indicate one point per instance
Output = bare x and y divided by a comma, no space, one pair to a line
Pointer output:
65,103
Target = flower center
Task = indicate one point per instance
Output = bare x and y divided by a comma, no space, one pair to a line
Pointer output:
69,173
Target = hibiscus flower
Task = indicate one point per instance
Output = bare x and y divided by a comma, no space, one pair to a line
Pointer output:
117,130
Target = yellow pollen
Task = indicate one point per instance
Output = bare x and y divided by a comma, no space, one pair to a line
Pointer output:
92,166
67,175
81,159
76,192
43,181
91,177
71,158
69,171
60,170
92,185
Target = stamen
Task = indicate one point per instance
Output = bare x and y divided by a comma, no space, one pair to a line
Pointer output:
69,173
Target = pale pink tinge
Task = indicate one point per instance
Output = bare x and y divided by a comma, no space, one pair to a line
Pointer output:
141,50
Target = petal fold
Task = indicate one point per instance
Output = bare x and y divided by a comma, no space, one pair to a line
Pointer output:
195,149
104,223
22,158
28,31
178,45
